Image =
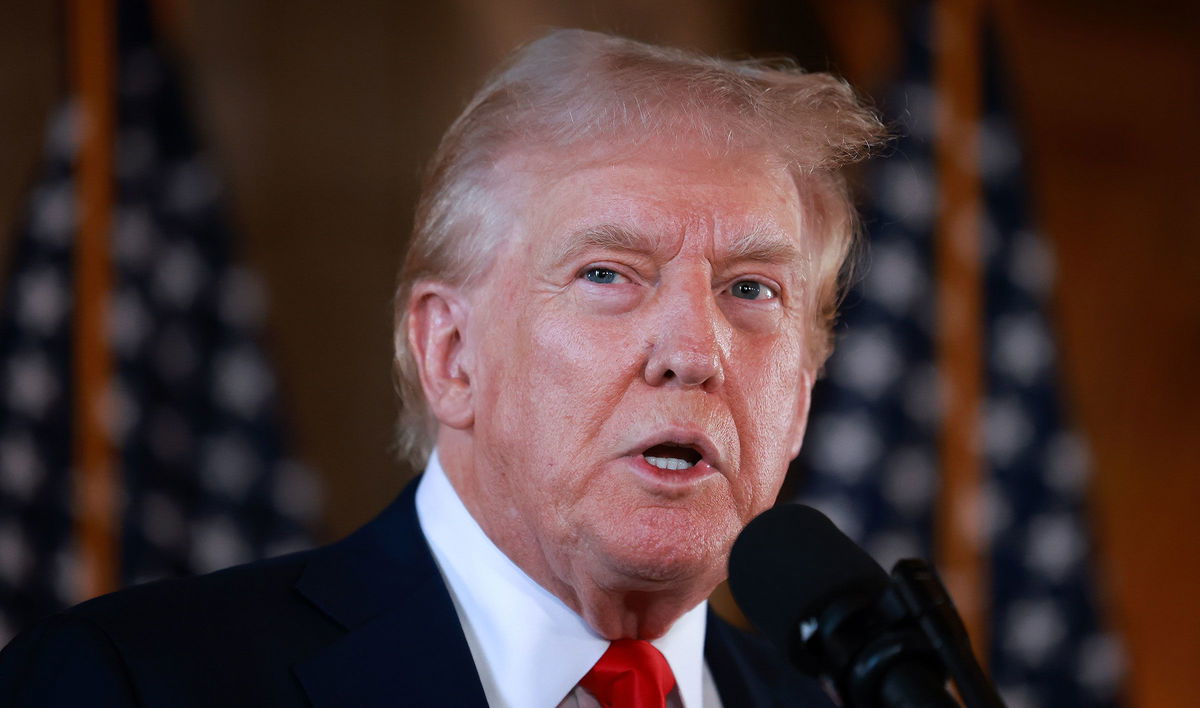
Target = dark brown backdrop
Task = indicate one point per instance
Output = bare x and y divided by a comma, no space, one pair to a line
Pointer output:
320,115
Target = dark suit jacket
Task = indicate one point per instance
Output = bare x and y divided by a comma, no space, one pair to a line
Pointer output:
364,622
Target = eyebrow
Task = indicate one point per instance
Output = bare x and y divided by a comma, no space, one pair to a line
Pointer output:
765,247
606,236
761,246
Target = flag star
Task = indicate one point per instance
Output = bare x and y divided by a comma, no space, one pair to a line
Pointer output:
191,188
53,219
133,237
216,544
32,384
119,410
14,554
20,468
179,275
868,362
908,193
846,445
242,382
910,482
128,323
1054,545
43,299
1031,264
921,400
1007,431
1022,347
229,465
894,278
1034,628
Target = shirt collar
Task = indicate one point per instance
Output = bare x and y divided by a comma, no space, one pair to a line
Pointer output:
529,647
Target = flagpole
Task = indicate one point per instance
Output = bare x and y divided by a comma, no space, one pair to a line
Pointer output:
95,485
959,519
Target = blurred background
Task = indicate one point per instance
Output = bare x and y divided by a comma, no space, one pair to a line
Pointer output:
315,120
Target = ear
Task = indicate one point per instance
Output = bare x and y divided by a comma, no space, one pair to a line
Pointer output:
803,401
437,317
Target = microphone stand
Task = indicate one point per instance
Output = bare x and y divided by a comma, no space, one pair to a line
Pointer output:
923,595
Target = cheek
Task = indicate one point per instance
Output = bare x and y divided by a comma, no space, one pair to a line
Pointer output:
558,378
585,359
770,376
765,391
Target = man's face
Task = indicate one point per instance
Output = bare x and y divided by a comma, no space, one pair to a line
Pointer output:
647,315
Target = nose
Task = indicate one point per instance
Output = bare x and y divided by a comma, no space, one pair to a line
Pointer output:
689,339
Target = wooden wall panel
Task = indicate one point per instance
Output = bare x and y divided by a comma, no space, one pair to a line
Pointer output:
31,77
1111,99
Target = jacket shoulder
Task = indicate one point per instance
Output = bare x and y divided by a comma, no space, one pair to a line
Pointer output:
64,661
226,597
205,636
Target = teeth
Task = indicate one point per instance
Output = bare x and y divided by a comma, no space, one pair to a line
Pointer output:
668,463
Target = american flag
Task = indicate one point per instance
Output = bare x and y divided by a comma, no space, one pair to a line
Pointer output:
206,481
871,458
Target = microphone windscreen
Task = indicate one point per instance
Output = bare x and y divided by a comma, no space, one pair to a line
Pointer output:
788,564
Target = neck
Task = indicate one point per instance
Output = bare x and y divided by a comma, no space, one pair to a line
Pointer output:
634,613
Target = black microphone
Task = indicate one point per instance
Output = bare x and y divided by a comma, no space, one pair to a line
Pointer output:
880,642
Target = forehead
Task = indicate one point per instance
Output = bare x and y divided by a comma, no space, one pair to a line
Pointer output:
671,198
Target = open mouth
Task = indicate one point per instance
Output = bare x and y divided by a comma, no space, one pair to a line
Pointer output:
672,457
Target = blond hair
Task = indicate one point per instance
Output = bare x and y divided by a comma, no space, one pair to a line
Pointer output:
573,87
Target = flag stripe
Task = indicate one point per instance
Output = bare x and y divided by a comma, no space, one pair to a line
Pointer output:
958,78
93,70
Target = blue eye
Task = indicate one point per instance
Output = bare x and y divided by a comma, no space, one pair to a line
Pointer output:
604,276
751,290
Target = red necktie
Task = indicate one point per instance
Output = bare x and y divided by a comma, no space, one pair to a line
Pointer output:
631,674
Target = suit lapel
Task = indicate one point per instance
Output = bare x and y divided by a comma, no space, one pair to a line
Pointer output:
403,643
749,672
727,670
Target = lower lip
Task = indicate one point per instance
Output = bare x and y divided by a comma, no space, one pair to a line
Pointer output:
671,480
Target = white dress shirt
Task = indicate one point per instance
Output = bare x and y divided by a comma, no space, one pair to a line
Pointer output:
530,649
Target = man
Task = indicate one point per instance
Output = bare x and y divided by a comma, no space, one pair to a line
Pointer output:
620,288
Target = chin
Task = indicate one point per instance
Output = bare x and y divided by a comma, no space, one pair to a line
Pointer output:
658,553
667,577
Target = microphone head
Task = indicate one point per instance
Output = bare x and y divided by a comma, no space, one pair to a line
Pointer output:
788,564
